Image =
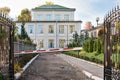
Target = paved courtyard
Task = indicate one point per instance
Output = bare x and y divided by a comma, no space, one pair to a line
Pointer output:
49,66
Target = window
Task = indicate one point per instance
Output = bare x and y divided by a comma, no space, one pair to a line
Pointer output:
66,17
61,29
57,17
51,29
49,17
41,44
51,43
72,28
30,29
39,17
61,43
40,29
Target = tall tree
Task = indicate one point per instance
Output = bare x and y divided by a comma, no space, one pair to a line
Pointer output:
75,36
82,39
101,32
23,35
25,15
5,10
86,35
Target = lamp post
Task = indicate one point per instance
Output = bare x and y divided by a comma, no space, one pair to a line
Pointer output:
97,20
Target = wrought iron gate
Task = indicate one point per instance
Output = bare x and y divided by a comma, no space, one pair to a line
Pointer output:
6,48
112,45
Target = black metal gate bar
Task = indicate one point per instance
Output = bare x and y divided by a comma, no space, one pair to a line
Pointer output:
6,48
11,51
112,45
107,53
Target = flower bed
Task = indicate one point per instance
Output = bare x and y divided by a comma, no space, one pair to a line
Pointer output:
68,48
54,49
22,60
28,50
41,50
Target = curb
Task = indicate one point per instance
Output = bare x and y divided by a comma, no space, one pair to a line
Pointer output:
91,75
17,75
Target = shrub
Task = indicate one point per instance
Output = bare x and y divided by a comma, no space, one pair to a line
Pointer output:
93,57
95,45
17,68
98,46
3,77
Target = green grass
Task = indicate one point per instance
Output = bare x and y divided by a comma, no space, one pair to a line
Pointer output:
93,57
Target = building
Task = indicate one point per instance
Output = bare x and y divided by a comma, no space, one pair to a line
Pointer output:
52,26
92,32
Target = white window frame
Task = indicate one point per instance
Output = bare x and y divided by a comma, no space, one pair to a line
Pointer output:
30,27
38,28
61,29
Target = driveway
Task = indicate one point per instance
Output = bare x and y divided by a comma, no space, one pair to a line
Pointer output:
49,66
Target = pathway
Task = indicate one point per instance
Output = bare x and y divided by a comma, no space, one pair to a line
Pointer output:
49,66
92,69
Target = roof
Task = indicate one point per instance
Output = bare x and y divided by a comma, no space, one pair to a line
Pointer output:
50,21
53,7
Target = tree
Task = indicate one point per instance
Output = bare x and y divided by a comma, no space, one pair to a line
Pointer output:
88,25
86,46
5,10
76,39
99,46
23,36
25,15
82,39
101,32
95,45
100,43
86,35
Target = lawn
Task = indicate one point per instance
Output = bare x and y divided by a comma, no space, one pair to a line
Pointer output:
93,57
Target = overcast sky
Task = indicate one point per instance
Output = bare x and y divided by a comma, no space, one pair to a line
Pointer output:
86,10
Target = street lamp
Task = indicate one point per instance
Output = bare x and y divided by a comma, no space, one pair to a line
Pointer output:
97,19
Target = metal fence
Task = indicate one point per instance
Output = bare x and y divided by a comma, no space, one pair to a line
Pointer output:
112,45
6,48
22,46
